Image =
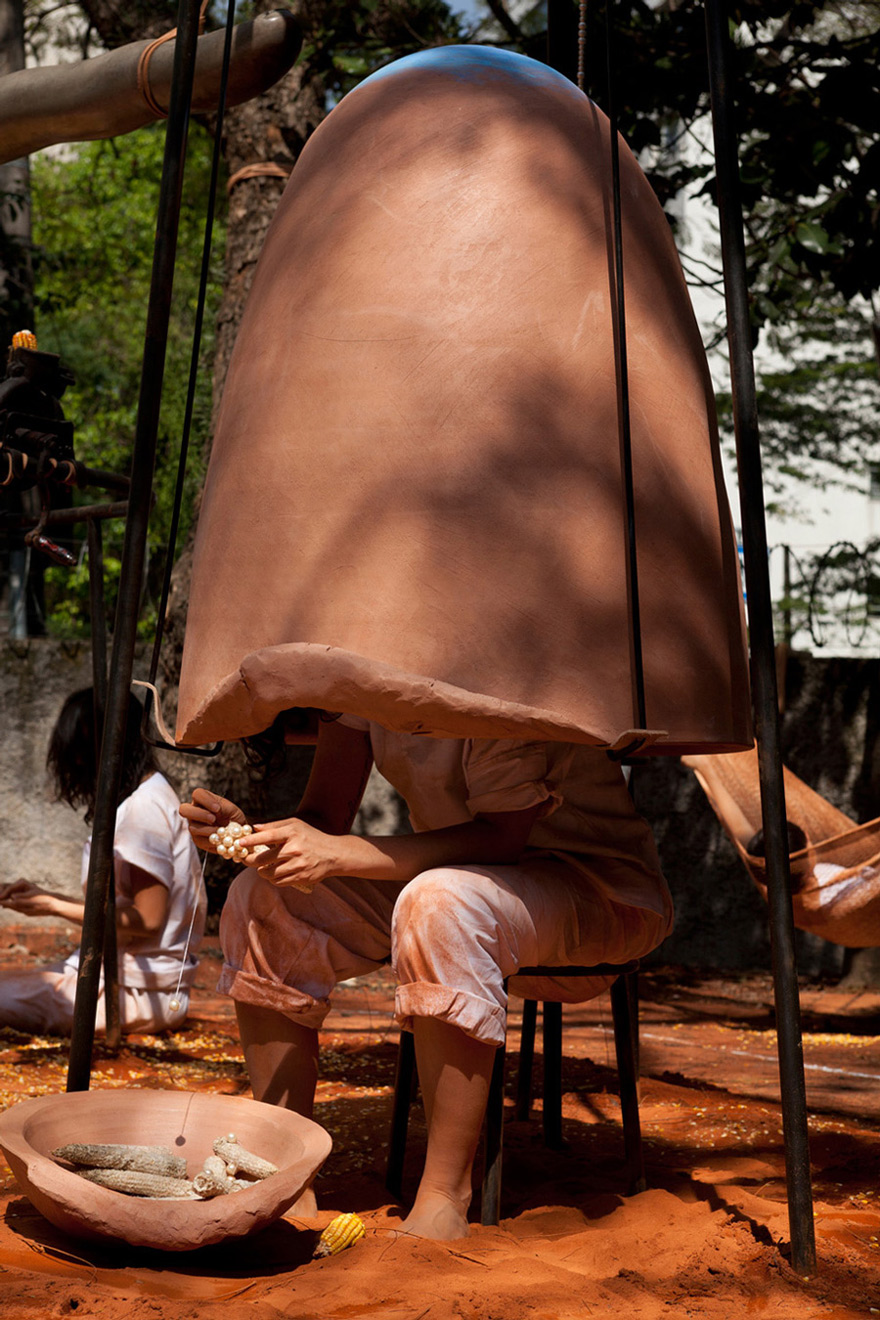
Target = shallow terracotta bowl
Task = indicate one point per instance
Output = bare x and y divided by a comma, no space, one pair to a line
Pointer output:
185,1121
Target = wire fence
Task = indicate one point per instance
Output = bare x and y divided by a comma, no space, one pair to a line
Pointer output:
828,598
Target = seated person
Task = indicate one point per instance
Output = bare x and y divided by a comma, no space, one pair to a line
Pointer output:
523,853
158,879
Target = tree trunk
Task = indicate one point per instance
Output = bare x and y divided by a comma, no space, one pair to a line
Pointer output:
20,571
16,275
270,128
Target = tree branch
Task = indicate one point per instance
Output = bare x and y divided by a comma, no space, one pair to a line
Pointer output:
500,14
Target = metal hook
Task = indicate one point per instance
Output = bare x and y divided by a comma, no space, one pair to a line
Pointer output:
165,741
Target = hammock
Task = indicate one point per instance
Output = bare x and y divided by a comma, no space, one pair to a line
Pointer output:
844,907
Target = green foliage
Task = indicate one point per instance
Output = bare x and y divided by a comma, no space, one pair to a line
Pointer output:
94,224
807,90
346,42
817,396
806,80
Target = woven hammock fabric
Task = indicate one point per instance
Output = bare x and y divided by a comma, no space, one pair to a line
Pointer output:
847,914
414,510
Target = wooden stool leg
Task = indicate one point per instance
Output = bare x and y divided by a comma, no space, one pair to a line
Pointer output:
627,1072
492,1144
552,1013
526,1060
404,1089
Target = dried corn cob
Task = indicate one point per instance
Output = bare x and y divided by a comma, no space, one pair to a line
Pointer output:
140,1184
143,1159
212,1179
341,1232
239,1160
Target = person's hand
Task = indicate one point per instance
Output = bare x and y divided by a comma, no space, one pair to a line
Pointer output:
292,853
31,901
208,812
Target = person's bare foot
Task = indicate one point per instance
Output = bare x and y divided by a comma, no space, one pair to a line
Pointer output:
437,1217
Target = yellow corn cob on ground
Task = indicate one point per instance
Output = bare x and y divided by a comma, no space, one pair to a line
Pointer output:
341,1232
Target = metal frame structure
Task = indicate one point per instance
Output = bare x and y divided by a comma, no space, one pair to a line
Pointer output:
764,688
561,15
99,882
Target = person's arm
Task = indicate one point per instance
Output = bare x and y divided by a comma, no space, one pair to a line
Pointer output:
148,910
144,915
340,770
339,774
302,856
32,901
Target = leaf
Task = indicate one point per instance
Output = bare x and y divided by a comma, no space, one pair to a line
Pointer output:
812,236
767,308
354,65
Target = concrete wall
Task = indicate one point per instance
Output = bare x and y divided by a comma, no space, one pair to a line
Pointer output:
43,838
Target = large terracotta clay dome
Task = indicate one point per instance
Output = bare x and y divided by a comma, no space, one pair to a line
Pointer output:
414,510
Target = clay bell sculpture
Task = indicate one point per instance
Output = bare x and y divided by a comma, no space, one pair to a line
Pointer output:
415,505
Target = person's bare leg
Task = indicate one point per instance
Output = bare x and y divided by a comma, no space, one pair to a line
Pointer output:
282,1063
454,1073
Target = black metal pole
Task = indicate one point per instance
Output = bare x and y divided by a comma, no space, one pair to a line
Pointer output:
98,624
624,425
134,550
745,415
99,691
78,513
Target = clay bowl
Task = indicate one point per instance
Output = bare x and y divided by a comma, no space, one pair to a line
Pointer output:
185,1121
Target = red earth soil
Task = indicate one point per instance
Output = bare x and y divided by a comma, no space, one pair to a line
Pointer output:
709,1238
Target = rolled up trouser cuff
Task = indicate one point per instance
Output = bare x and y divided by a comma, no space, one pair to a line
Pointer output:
477,1017
245,988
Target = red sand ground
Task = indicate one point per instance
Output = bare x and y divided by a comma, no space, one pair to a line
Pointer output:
708,1239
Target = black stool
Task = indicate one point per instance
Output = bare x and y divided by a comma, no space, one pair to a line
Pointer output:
624,1010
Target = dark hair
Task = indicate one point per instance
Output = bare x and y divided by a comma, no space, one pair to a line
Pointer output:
797,840
72,758
267,750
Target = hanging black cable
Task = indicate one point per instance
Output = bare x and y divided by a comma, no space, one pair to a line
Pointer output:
582,44
623,409
216,157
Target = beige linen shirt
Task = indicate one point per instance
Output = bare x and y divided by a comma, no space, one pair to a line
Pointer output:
588,817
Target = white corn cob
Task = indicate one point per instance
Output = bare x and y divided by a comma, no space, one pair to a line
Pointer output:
341,1232
143,1159
212,1179
140,1184
239,1160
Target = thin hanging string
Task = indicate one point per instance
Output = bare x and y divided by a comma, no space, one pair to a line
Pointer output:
623,393
175,1002
191,390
